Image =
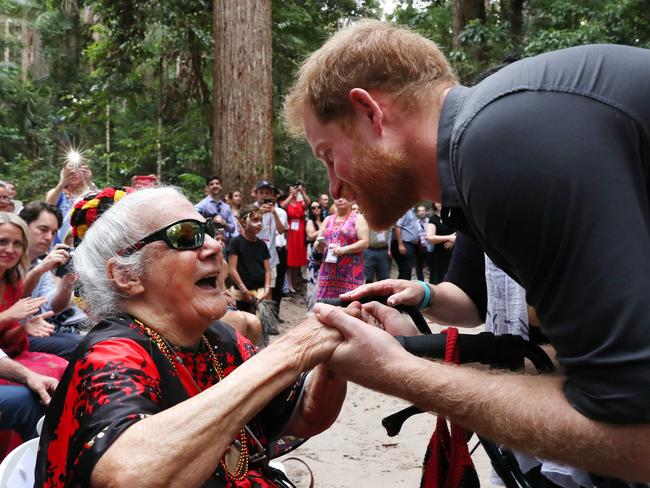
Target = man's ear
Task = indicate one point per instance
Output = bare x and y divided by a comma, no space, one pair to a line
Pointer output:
365,104
126,283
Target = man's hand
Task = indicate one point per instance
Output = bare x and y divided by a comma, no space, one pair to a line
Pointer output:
366,351
22,309
43,386
402,292
37,326
55,258
218,219
402,248
266,208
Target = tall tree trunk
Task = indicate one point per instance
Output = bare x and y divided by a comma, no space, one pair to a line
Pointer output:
72,9
516,18
7,52
242,93
107,130
464,12
161,107
25,51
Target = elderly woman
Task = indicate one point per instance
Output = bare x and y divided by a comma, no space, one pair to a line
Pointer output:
154,396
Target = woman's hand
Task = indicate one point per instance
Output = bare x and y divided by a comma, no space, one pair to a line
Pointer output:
37,326
449,243
340,251
389,319
87,175
22,309
309,344
66,173
401,292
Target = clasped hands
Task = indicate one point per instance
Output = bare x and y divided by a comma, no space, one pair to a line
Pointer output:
367,349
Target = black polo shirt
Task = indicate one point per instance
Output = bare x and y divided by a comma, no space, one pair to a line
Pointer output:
546,162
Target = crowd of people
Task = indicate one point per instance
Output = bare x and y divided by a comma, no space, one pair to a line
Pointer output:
175,382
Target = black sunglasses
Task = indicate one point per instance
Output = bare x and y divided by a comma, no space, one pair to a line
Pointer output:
182,235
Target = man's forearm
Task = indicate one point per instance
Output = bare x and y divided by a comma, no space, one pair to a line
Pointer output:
13,371
527,413
63,295
452,306
279,226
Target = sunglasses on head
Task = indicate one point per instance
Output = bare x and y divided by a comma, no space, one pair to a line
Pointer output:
182,235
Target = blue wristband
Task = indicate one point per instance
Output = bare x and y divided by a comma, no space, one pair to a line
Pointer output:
427,296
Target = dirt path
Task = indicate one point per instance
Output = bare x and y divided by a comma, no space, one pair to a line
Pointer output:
355,451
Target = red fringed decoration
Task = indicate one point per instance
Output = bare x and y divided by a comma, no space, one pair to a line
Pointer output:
447,463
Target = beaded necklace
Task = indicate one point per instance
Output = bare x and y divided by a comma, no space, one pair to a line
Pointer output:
240,471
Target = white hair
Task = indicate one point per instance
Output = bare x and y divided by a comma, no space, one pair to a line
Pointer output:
121,225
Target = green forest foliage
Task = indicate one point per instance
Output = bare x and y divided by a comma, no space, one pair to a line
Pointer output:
141,71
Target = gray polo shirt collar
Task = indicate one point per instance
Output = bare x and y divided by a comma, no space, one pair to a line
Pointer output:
450,109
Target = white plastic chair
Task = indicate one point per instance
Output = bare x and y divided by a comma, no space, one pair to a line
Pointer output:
17,469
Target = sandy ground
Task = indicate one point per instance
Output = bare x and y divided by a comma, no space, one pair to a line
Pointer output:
356,451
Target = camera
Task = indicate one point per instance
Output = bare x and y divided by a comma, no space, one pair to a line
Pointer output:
298,183
65,268
268,200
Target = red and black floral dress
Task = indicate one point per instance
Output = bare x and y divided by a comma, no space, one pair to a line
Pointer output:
117,377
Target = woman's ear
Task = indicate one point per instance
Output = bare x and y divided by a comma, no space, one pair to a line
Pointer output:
125,281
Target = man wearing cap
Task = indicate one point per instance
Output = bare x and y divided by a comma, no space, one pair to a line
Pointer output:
271,221
219,211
